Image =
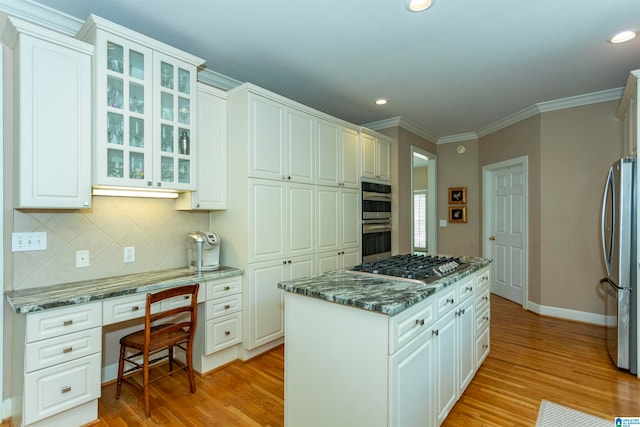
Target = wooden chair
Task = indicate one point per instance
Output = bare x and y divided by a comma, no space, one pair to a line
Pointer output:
164,328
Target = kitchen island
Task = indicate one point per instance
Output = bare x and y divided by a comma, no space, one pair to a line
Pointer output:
368,351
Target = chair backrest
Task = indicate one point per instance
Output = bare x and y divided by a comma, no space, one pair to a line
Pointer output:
178,321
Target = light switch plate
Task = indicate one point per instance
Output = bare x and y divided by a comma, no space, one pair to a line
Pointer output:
35,241
129,254
82,258
443,223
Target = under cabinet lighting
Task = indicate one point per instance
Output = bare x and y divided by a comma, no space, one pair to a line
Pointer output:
119,192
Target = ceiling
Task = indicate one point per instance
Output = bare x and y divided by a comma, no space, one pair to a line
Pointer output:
453,69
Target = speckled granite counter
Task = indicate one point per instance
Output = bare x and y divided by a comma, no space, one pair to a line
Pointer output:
371,293
36,299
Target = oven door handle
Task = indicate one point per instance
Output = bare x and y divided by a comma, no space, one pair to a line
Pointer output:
376,197
375,228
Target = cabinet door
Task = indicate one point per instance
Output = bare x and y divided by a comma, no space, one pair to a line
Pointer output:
266,312
350,230
299,267
466,325
328,225
267,220
368,156
349,158
300,146
383,160
411,384
350,257
328,149
446,364
211,136
175,145
124,112
53,105
267,138
301,224
328,261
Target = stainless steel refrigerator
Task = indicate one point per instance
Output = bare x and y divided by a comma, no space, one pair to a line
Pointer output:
619,209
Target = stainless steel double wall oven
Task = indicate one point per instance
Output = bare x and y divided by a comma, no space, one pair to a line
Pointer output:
376,221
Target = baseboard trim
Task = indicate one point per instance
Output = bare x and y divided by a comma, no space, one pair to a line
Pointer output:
6,410
567,314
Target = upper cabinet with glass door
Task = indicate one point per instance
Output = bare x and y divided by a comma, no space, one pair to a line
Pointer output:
144,115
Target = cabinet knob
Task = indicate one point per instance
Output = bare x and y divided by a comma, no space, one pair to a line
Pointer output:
135,308
197,205
149,184
289,262
226,288
158,184
227,306
227,332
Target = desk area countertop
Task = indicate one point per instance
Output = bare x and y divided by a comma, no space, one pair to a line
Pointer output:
45,298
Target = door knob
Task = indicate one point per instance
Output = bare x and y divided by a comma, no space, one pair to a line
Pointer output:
492,237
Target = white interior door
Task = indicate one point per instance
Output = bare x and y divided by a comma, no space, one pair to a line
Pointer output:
505,227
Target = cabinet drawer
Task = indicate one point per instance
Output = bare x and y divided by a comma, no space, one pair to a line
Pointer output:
446,299
223,332
44,353
466,287
125,308
482,348
482,320
180,301
62,321
223,287
61,387
409,323
223,306
482,277
482,299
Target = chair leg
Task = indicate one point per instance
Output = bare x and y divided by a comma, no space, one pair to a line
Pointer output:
145,382
171,360
120,371
192,381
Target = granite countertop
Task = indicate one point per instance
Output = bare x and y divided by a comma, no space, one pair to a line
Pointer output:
44,298
385,296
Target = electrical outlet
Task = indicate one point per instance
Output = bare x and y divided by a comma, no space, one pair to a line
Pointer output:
129,254
36,241
82,258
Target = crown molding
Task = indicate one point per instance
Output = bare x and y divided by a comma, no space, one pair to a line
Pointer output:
461,137
42,15
218,80
406,124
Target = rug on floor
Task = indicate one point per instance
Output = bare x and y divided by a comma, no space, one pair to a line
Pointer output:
554,415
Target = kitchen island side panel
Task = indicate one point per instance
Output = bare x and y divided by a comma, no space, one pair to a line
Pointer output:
336,357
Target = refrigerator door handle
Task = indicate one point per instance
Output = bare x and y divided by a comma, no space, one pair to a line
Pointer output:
606,251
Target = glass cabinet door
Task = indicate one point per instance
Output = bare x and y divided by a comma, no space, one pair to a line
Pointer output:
175,101
124,123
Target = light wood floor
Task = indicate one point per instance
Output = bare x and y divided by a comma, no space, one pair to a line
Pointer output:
532,358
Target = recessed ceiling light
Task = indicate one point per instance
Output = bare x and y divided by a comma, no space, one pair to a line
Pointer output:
380,101
623,36
419,5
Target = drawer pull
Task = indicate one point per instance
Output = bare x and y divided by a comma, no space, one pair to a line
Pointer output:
66,389
135,308
67,322
67,350
469,288
485,298
485,317
449,300
227,333
435,332
227,306
485,346
420,322
186,297
227,288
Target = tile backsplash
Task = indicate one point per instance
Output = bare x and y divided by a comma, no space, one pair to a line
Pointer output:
152,226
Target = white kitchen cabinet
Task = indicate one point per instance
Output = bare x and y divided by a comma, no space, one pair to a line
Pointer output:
211,134
144,110
629,115
376,155
465,334
52,120
338,156
482,315
57,375
265,300
446,350
338,223
281,220
281,142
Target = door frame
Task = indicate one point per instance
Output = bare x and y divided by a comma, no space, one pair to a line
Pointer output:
488,214
432,197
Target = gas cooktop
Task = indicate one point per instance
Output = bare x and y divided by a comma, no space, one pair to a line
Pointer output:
413,268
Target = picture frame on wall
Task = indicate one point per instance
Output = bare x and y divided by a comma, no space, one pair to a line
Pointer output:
457,195
458,214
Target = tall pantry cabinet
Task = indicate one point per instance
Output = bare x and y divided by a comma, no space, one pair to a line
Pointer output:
269,228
